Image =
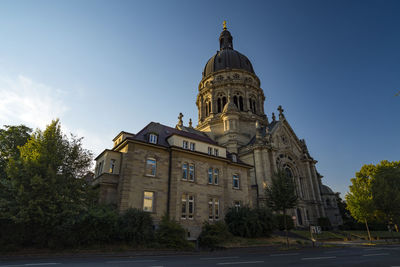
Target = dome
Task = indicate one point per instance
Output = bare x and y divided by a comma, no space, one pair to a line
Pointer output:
227,57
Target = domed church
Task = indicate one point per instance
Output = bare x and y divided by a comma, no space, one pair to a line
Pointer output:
196,174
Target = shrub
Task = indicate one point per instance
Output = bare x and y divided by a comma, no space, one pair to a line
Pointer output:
213,235
246,222
281,223
96,226
135,227
170,234
325,223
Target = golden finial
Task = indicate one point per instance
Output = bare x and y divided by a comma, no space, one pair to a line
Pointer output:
224,23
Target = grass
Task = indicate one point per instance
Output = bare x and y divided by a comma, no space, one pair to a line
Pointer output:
262,241
374,234
325,235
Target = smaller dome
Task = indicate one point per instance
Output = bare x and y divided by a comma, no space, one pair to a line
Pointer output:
325,190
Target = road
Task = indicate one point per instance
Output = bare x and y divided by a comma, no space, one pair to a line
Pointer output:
349,256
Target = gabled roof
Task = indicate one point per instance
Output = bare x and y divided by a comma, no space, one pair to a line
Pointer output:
164,132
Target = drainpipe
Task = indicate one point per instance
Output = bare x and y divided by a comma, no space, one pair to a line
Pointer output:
169,180
255,177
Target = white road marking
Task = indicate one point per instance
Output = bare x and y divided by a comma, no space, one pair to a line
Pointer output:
31,264
287,254
370,249
318,258
335,251
131,261
240,262
376,254
219,258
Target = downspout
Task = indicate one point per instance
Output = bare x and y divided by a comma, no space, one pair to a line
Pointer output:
255,177
169,180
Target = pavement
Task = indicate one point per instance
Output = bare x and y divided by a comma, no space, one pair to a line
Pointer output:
355,255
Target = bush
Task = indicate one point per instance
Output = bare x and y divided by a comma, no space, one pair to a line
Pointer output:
170,234
281,223
11,235
96,226
213,235
325,223
135,227
247,222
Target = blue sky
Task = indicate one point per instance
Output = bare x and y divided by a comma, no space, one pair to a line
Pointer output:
106,66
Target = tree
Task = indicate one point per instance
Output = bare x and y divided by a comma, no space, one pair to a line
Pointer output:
10,139
386,190
44,186
281,195
359,199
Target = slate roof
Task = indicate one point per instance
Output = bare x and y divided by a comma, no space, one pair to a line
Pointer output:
164,132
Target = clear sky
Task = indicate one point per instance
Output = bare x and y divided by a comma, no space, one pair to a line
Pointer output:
106,66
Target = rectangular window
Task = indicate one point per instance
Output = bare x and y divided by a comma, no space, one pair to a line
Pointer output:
191,207
236,204
112,165
236,184
216,152
185,144
100,168
183,210
148,201
187,206
153,138
216,176
210,175
151,167
191,172
234,158
184,171
192,146
209,150
213,209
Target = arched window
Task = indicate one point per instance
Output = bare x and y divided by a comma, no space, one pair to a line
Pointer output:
254,106
288,172
235,101
219,105
240,103
223,102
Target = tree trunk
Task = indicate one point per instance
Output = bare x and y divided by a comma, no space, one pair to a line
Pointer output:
369,234
286,230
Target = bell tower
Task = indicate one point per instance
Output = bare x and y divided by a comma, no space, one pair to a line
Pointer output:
230,100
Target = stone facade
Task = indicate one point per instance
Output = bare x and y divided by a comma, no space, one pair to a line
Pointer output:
167,170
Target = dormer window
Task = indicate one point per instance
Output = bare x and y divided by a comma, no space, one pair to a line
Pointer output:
216,152
153,138
209,150
234,158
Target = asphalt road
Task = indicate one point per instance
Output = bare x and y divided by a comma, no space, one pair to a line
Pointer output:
349,256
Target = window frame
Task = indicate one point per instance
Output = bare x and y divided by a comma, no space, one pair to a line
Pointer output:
153,138
216,152
185,171
192,173
187,206
210,176
152,198
210,150
150,167
192,146
185,144
236,177
112,165
213,209
216,176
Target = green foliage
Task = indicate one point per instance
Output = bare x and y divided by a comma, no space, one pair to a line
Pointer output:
281,222
214,234
171,234
375,192
281,193
136,227
43,183
359,199
10,139
247,222
386,190
325,223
